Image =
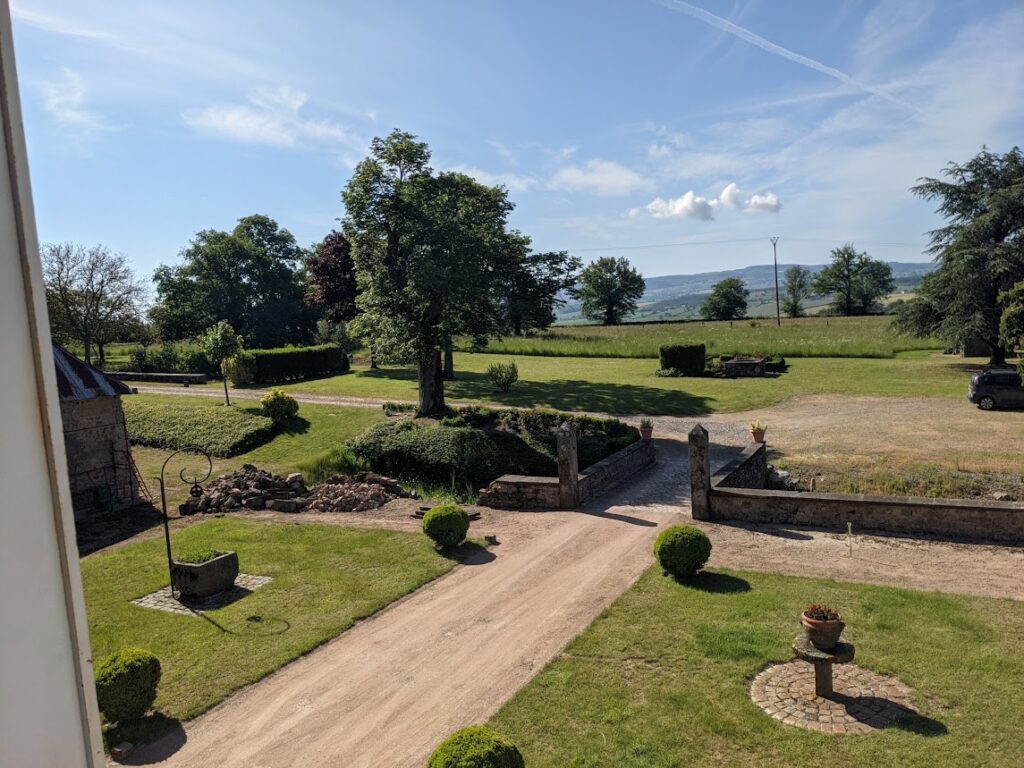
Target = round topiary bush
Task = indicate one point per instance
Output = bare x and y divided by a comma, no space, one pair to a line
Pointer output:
279,405
476,747
447,525
682,550
126,684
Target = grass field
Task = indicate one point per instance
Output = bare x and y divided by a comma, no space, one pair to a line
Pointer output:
325,579
660,679
803,337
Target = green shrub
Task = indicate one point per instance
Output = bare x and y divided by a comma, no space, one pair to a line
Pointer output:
337,461
217,429
682,550
197,556
279,405
687,359
170,358
476,747
126,684
504,375
447,525
287,363
240,369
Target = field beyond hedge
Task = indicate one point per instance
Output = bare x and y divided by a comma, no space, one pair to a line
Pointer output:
871,336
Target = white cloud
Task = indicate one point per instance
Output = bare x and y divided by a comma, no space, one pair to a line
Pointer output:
599,177
64,99
512,181
270,117
693,206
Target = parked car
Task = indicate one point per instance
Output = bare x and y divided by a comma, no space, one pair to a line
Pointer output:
996,389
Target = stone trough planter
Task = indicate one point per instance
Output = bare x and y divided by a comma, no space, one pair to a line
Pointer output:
194,580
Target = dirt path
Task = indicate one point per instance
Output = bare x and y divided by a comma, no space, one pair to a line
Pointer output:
387,691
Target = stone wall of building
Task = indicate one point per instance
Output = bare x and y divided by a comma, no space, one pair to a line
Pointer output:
99,462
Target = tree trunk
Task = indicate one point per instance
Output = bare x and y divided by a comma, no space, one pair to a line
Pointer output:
431,384
373,362
102,354
227,400
998,356
449,362
87,343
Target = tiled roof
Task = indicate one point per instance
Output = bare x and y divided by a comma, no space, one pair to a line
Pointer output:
77,380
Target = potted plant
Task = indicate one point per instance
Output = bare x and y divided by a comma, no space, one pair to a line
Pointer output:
757,430
204,572
823,626
646,428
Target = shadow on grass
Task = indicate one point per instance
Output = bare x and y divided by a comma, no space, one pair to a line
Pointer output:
95,533
906,719
468,553
160,735
717,583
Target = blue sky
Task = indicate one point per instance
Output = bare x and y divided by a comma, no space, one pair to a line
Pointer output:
615,124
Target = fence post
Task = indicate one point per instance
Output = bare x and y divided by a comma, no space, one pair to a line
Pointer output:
700,474
568,467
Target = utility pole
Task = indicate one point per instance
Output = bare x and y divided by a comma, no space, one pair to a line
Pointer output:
775,260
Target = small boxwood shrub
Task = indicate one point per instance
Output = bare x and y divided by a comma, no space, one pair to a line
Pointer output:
288,363
447,525
126,684
504,375
279,405
218,430
686,359
476,747
682,550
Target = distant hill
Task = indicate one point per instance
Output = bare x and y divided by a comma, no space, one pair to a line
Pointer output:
680,296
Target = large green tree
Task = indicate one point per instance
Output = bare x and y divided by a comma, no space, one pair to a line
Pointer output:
534,284
727,301
856,281
429,250
979,251
797,288
609,289
250,277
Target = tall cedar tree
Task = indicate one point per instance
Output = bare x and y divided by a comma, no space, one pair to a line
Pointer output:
250,277
428,249
728,300
980,251
609,290
856,280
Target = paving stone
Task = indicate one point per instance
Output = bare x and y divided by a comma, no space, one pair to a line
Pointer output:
163,600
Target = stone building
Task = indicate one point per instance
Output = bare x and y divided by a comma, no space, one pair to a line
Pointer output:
102,473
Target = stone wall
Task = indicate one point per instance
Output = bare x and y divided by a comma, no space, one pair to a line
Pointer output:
738,492
99,462
525,492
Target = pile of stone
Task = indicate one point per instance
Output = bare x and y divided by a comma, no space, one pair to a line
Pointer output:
250,488
355,493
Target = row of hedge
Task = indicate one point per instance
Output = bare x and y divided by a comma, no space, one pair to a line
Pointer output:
269,366
685,359
218,431
169,358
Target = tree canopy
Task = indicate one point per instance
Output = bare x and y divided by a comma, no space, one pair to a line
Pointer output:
331,278
220,343
797,288
609,289
727,301
534,285
429,250
856,280
979,251
250,277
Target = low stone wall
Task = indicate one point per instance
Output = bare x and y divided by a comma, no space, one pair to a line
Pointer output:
526,492
738,492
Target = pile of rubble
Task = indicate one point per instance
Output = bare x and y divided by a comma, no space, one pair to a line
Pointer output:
253,488
355,493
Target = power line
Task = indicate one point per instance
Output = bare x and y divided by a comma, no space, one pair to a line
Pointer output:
692,243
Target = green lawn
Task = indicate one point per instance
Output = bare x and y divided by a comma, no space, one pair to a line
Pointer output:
623,385
803,337
660,679
325,578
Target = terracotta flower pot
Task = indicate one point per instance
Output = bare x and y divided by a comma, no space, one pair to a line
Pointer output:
758,435
823,634
646,432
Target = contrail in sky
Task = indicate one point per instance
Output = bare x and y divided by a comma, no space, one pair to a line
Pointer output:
767,45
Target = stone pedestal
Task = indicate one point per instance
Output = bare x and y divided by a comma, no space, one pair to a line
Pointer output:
700,473
823,661
568,467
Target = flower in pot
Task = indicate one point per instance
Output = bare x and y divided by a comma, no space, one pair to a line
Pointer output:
757,430
646,428
823,626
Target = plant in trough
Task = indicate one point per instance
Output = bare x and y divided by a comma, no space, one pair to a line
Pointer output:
197,556
682,550
126,684
476,747
447,525
504,375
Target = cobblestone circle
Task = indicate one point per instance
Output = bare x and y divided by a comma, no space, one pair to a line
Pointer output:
163,600
863,701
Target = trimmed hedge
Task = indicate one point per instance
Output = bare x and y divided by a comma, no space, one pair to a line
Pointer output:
447,525
289,363
476,747
218,430
687,359
682,550
126,684
169,358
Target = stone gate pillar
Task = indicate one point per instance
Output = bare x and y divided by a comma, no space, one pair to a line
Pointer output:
568,467
700,474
